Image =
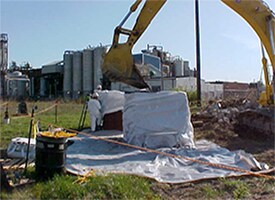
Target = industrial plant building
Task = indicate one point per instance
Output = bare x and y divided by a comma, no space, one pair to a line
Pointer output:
79,73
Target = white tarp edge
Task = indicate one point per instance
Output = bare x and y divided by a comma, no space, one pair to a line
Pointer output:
87,154
111,101
18,146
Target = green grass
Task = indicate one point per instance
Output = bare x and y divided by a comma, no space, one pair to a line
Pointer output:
210,192
68,115
238,188
110,186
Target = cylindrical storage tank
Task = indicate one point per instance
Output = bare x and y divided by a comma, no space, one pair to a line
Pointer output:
186,68
77,74
68,78
98,60
42,91
22,86
32,87
178,67
50,156
88,83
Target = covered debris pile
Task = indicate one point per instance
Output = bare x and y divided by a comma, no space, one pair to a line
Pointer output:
222,123
157,120
240,115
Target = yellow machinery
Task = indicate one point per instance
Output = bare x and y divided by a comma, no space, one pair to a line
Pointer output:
262,20
119,65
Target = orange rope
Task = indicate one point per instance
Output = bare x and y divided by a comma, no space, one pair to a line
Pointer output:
46,109
221,166
42,111
20,116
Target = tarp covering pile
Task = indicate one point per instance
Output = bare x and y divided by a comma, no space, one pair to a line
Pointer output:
111,101
87,154
157,120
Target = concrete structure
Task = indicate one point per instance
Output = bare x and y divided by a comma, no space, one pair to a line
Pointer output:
187,83
179,67
210,91
79,73
235,90
35,77
51,81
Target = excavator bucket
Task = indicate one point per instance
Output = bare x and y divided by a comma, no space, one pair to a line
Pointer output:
118,65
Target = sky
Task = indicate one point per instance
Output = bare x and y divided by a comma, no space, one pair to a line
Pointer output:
40,31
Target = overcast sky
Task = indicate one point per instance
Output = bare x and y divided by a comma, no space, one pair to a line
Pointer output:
40,31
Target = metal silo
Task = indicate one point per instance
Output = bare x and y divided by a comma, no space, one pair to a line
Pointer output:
179,70
68,69
186,68
88,84
17,85
98,60
42,91
77,74
23,87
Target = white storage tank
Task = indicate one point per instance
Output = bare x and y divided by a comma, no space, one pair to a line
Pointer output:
179,70
98,60
17,85
88,75
186,68
77,74
68,69
42,91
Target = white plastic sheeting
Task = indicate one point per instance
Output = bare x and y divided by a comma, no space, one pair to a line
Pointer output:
111,101
18,146
87,154
157,120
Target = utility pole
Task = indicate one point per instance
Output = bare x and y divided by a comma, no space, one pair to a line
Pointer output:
198,56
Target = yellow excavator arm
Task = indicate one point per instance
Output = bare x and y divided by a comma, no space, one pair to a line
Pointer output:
118,64
261,18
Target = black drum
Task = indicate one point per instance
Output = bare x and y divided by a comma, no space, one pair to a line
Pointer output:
50,156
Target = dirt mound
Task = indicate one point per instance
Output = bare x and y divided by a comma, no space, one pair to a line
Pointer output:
220,122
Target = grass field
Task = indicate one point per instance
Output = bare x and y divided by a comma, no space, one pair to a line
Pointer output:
68,115
115,186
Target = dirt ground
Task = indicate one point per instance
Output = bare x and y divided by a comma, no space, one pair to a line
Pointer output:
226,135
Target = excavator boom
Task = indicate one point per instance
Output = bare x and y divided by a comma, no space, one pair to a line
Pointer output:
261,18
118,63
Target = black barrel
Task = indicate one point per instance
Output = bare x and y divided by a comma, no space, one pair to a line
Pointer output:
50,156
